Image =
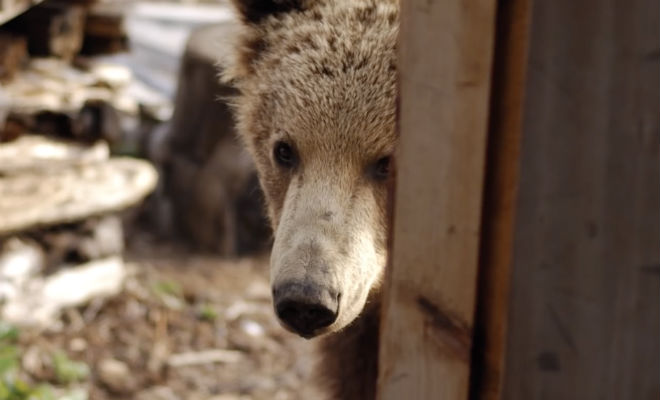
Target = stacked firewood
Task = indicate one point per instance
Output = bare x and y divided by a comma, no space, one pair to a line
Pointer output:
62,29
62,109
61,237
52,82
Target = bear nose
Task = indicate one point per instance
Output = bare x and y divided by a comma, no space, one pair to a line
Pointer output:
305,307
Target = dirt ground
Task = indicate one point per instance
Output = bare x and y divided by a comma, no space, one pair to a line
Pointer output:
186,326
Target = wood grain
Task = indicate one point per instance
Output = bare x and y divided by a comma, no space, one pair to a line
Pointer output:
445,66
585,316
499,204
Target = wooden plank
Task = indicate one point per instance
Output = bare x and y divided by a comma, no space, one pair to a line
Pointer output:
496,254
12,8
52,29
445,63
13,55
585,315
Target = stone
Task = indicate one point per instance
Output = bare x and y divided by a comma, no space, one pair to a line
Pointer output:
115,375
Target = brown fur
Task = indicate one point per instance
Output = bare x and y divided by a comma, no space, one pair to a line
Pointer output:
321,76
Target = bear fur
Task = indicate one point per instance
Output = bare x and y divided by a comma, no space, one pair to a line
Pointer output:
317,112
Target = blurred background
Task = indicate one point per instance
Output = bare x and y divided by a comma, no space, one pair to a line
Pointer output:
132,232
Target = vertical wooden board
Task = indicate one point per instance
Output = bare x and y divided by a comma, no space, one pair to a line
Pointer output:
585,315
445,64
499,200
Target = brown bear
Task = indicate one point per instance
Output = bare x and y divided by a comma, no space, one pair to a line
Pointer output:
316,110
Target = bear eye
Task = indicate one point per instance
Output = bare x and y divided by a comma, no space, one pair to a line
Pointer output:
284,155
381,169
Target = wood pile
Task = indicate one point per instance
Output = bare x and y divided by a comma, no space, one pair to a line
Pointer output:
13,55
61,113
50,84
60,227
64,109
51,29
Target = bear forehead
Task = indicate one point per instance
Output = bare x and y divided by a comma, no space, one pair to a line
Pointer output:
330,72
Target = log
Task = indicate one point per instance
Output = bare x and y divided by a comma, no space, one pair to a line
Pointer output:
38,304
52,29
11,8
34,153
13,55
53,98
57,196
105,31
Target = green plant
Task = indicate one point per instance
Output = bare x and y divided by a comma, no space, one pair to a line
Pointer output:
67,370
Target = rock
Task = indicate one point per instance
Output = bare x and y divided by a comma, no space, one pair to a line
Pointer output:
204,357
115,375
77,345
252,328
230,396
36,362
258,290
157,393
71,194
39,303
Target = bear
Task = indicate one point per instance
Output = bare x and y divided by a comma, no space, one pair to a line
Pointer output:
316,109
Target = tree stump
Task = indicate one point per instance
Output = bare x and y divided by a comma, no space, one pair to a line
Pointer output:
210,179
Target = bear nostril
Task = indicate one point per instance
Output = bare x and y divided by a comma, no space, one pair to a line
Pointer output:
305,318
305,308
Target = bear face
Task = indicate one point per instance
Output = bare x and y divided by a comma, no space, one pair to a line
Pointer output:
316,109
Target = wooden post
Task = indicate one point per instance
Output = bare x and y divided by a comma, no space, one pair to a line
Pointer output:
500,197
585,315
445,59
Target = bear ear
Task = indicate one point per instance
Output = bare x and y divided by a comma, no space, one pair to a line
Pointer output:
253,11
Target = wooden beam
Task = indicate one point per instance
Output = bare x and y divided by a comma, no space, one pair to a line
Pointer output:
445,66
499,204
12,8
585,316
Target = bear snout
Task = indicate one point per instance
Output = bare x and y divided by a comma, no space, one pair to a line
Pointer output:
305,307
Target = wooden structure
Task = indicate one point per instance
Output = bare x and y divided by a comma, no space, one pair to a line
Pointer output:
526,231
11,8
429,313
